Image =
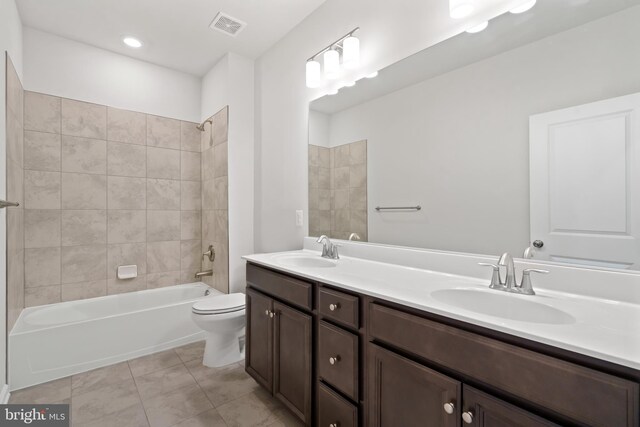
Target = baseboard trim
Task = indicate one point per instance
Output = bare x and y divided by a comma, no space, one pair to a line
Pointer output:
4,394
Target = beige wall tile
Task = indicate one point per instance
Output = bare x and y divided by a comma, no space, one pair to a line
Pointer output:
126,193
324,200
190,166
84,155
126,126
190,225
314,159
341,156
84,191
163,163
15,229
83,227
83,290
358,223
163,256
41,295
84,119
126,226
358,198
42,151
190,255
190,137
206,138
358,176
83,263
163,226
161,280
41,112
42,190
358,153
324,178
323,157
116,286
341,220
314,176
41,267
207,164
191,196
126,159
220,196
208,195
220,126
15,183
41,228
126,254
313,198
220,167
340,199
163,132
208,227
163,194
14,138
15,288
341,178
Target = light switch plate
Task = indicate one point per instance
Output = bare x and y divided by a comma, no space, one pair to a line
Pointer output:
299,218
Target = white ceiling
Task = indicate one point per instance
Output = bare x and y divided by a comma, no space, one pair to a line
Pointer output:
175,33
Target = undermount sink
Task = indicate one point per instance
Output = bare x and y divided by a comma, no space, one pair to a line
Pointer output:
306,261
506,306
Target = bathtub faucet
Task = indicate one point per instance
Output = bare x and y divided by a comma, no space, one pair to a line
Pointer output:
200,274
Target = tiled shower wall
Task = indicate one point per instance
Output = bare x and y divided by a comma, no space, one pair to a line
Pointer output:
338,190
215,211
15,215
105,187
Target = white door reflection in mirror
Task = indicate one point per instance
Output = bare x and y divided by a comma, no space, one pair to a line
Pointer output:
585,183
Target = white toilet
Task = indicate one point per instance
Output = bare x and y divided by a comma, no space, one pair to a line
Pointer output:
222,317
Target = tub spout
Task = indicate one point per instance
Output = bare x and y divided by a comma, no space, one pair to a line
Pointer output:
200,274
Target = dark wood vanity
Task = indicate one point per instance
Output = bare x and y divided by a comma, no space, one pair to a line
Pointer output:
338,359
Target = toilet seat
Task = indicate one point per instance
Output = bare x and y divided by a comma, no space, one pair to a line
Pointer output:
219,304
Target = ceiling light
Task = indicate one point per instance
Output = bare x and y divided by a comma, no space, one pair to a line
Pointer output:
523,7
459,9
480,27
351,52
313,74
331,64
372,75
132,42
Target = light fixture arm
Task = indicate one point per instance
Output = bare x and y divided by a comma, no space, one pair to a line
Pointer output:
334,44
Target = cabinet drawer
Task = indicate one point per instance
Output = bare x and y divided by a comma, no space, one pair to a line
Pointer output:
334,410
338,359
338,306
578,393
294,291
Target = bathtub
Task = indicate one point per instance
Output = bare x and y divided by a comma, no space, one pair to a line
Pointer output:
57,340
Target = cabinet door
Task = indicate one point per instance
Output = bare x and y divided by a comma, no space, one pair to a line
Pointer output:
483,410
404,393
292,360
259,350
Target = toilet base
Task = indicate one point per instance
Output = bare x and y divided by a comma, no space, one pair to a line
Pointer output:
223,349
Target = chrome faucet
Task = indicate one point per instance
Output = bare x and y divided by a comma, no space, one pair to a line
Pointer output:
200,274
506,260
329,250
510,284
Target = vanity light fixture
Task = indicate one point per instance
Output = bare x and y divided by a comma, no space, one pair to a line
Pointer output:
477,28
523,7
132,42
459,9
372,75
348,46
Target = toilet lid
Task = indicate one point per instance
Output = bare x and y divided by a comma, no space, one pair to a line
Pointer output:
218,304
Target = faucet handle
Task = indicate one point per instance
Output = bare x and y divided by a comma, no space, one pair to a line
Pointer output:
334,251
525,286
496,281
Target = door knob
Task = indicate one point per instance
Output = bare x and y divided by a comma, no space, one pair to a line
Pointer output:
335,359
467,417
449,408
538,244
334,307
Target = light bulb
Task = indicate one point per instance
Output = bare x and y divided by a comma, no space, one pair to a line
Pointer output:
351,52
372,75
459,9
313,74
132,42
480,27
523,7
331,64
332,92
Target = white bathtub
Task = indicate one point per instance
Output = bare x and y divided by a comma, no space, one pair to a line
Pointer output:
54,341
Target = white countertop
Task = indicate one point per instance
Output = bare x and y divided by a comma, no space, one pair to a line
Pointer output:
603,329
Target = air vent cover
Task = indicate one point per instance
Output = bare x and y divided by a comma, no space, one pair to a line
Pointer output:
227,24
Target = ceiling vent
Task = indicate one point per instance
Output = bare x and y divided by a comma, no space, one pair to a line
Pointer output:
227,24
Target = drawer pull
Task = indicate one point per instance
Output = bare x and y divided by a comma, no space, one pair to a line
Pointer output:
266,312
335,359
467,417
334,425
269,313
449,408
334,307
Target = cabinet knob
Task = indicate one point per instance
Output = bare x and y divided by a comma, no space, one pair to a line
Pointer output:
272,314
266,312
333,360
334,425
334,307
467,417
449,408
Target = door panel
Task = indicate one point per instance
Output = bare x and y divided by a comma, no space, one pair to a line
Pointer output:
259,350
292,363
405,393
585,183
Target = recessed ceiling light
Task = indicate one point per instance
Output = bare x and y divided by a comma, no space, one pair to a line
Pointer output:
132,42
480,27
523,7
372,75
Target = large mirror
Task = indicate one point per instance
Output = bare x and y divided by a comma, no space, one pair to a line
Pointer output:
522,138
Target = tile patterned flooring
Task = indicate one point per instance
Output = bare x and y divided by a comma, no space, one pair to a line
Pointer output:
166,389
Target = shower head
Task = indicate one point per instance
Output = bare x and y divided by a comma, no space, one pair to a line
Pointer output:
200,127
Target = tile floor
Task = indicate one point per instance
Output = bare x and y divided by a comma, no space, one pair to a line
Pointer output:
166,389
